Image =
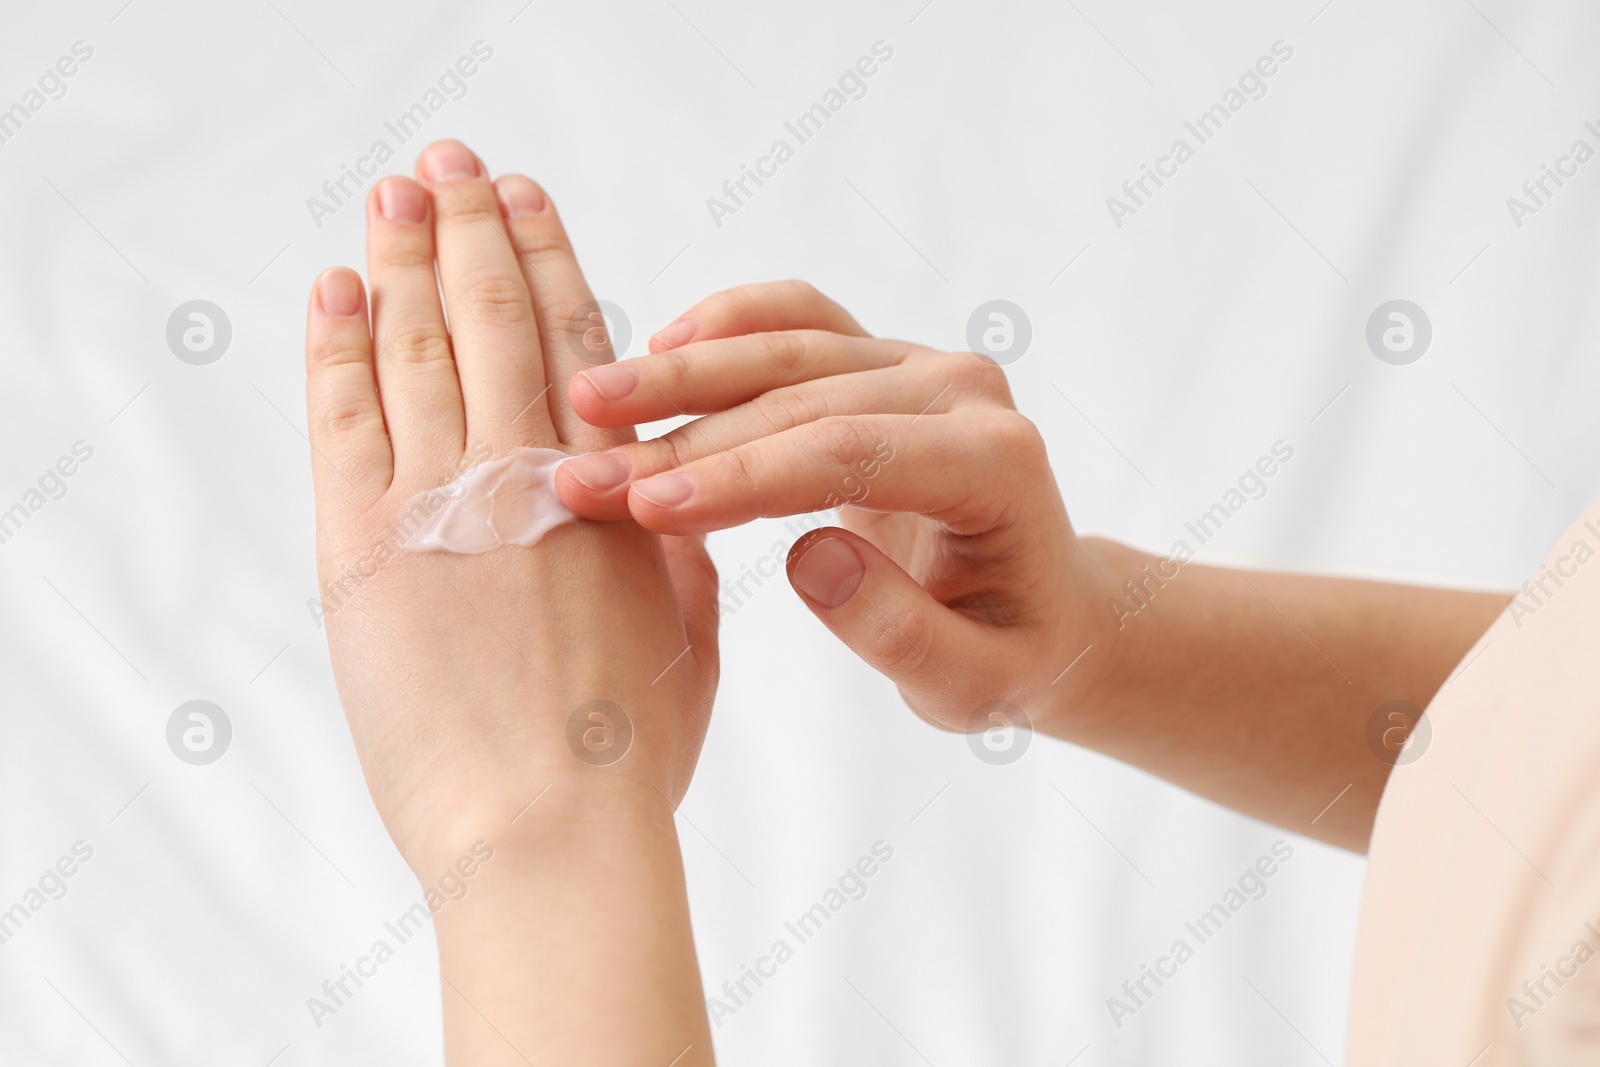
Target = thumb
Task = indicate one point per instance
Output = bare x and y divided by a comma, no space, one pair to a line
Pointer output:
890,621
694,577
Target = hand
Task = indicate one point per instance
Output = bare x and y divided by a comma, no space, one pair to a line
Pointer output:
956,574
458,673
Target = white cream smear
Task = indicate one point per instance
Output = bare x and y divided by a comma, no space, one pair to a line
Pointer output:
507,501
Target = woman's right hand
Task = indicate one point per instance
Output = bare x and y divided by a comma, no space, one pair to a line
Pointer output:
955,571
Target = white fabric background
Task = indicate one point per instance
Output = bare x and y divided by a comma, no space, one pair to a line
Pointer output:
1222,317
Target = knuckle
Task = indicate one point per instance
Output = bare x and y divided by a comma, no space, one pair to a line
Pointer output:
1014,434
567,312
972,374
416,342
674,367
660,454
496,298
840,438
413,253
579,321
674,450
337,351
745,463
343,418
691,441
784,409
900,644
785,352
464,204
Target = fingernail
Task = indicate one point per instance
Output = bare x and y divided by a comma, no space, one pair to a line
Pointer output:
449,160
678,333
600,471
612,381
666,490
402,201
830,572
518,196
339,293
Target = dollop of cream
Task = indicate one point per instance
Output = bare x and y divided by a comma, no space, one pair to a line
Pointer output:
506,501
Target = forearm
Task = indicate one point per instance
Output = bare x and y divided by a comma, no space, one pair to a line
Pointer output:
573,945
1256,689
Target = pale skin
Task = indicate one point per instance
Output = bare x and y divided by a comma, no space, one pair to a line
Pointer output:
458,673
958,575
955,572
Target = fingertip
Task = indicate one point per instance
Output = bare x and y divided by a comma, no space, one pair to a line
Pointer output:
344,415
448,160
400,200
587,402
675,334
597,393
656,504
665,491
519,195
804,542
338,292
595,486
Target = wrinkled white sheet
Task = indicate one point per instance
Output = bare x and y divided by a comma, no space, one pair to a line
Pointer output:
1225,314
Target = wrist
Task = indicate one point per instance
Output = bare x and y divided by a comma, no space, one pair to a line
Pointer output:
545,815
1090,698
580,906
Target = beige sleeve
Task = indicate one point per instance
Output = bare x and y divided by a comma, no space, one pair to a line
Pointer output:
1479,940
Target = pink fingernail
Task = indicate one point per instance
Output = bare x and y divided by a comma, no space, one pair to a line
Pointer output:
402,200
612,381
830,572
339,293
666,490
518,196
678,333
446,161
600,471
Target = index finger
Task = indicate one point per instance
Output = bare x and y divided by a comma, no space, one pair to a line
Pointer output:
716,375
964,470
